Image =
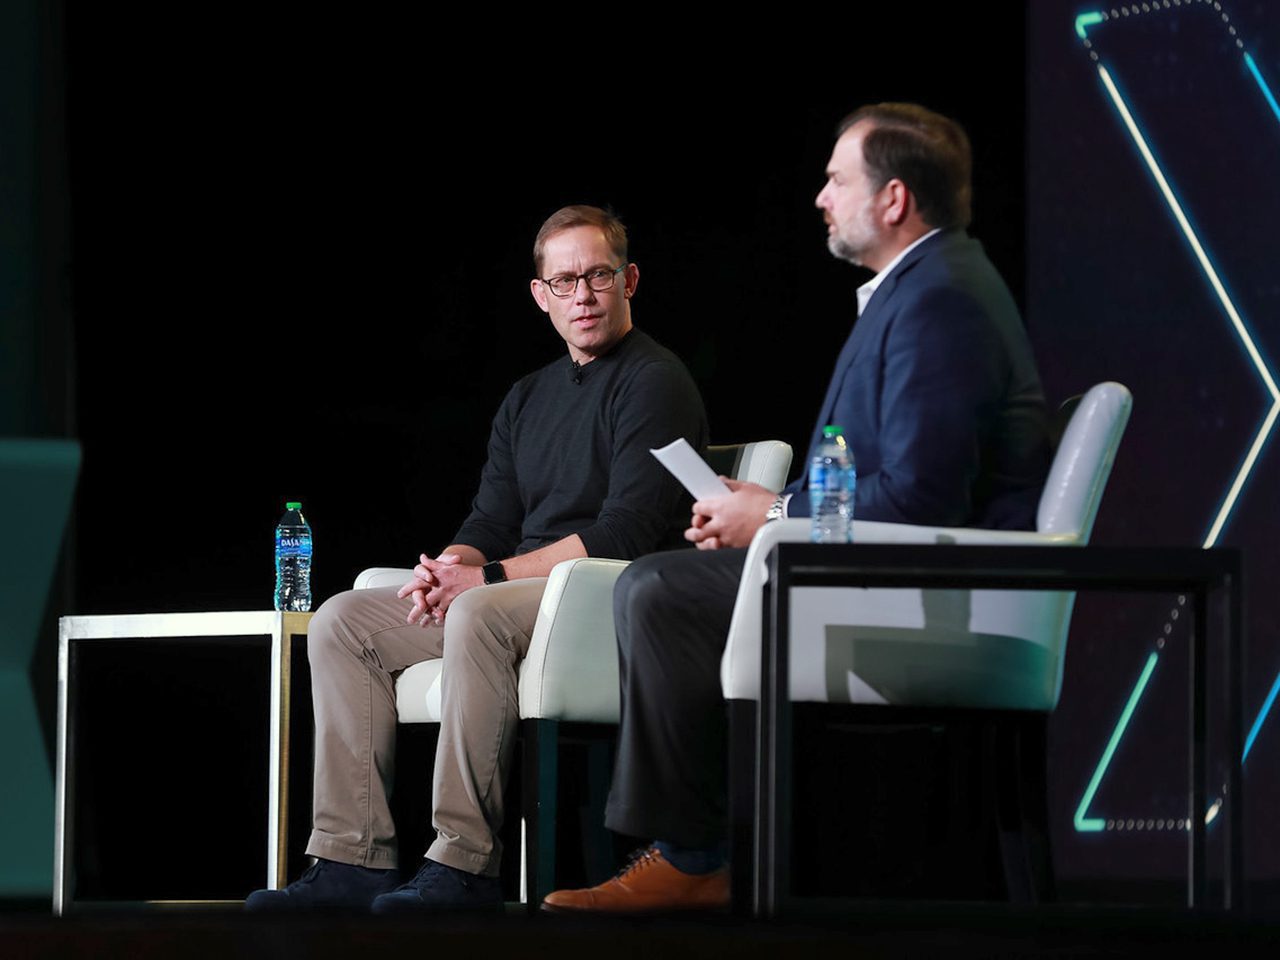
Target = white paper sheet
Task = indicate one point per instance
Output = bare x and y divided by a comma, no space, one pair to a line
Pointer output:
683,463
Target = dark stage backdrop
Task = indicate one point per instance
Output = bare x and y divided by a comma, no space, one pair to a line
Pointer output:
301,260
1153,141
302,254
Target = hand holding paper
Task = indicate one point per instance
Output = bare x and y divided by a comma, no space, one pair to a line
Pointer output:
726,513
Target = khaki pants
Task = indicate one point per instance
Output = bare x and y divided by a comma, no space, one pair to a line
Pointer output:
357,642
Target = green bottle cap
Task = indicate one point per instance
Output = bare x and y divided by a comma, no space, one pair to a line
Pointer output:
831,430
293,505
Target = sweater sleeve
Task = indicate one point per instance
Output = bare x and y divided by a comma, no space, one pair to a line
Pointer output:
494,524
645,506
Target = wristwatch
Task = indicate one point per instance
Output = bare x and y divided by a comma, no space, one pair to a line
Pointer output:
777,511
493,572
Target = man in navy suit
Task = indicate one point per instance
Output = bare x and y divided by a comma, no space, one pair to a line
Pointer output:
938,395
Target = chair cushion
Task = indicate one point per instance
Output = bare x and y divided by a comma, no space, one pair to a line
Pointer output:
418,692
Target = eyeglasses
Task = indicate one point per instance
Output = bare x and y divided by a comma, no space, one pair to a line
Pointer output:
598,280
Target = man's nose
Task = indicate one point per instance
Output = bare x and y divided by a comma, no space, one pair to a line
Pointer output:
582,292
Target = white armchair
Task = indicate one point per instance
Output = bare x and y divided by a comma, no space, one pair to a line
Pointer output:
913,625
933,650
570,674
571,670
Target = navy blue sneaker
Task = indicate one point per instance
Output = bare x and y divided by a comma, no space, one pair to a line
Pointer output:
326,884
441,889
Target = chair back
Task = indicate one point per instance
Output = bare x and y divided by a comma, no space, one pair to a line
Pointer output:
1082,463
765,462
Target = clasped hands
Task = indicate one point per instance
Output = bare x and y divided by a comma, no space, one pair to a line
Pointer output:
436,584
730,521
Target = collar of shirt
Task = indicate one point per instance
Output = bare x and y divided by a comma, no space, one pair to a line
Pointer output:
867,289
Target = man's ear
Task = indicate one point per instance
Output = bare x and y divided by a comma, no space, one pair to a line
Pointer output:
897,202
631,279
539,292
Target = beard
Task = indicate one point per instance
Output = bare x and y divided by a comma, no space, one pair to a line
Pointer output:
852,242
841,249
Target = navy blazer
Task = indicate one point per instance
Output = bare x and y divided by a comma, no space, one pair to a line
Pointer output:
939,397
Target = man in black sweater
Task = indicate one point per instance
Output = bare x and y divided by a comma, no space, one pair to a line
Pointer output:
568,475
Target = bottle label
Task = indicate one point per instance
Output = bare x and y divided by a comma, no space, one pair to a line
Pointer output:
291,545
827,477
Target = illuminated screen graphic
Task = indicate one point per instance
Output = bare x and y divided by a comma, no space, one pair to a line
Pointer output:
1154,142
1087,26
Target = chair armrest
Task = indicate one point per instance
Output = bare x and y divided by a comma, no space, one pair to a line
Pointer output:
381,577
571,669
871,531
765,462
740,666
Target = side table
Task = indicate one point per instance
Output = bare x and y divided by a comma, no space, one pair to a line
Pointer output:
266,634
1201,574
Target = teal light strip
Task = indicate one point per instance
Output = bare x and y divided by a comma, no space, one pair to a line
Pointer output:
1233,494
1084,21
1266,90
1095,824
1262,715
1275,686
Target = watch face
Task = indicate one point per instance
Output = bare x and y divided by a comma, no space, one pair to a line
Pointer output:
493,572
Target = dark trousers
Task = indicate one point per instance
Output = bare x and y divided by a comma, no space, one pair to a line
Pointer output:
672,613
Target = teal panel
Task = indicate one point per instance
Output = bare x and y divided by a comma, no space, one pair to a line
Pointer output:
37,480
26,794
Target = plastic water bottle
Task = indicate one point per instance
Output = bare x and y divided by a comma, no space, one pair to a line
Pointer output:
832,479
293,560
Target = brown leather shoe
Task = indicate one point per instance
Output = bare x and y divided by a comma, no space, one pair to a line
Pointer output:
648,884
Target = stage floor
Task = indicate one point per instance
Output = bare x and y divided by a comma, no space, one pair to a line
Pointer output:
871,931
